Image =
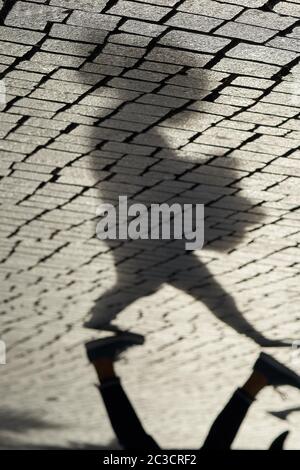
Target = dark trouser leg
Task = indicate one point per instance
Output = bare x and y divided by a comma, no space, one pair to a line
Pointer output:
123,418
227,424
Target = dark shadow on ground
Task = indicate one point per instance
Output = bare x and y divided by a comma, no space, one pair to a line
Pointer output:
149,146
15,424
10,444
19,422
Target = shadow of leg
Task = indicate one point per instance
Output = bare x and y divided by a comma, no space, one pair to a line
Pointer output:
115,300
205,288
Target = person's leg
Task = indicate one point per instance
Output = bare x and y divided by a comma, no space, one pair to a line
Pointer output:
107,307
124,421
266,371
227,424
123,418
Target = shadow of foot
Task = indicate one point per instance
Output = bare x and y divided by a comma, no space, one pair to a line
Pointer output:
284,414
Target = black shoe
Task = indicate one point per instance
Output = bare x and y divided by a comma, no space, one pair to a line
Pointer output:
277,444
276,373
111,347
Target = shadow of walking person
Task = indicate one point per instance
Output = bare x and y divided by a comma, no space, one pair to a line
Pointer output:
158,140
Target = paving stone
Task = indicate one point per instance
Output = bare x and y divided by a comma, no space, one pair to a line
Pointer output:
76,88
135,85
288,8
209,8
52,157
193,22
245,67
77,33
241,91
130,40
193,41
260,53
88,5
133,10
246,32
281,98
73,48
36,15
13,49
285,43
21,36
162,54
97,21
53,95
253,82
116,49
147,29
7,60
275,110
35,67
250,4
259,118
57,59
264,18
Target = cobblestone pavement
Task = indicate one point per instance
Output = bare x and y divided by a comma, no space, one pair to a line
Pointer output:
162,100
